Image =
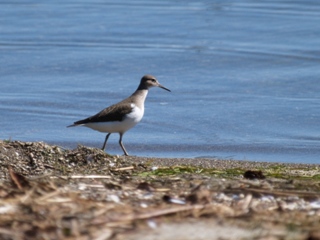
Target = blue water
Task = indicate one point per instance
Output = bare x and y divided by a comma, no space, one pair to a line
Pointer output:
244,75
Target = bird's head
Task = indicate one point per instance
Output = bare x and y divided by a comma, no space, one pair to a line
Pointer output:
148,81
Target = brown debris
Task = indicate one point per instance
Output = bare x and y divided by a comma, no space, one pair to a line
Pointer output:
251,174
145,186
314,235
199,194
18,180
51,193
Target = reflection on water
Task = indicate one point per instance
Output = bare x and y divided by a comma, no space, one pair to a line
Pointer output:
243,75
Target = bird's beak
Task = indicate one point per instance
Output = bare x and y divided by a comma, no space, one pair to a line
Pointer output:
160,86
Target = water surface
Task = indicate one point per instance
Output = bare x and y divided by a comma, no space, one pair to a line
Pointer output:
244,75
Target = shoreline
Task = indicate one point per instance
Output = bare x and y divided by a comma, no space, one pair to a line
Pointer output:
86,193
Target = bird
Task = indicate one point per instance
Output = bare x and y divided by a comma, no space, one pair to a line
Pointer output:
122,116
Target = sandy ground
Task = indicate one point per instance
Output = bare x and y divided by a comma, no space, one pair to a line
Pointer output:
47,192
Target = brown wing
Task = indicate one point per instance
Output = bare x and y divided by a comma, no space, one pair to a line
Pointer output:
109,114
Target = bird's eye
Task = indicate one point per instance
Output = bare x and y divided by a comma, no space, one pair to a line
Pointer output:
153,80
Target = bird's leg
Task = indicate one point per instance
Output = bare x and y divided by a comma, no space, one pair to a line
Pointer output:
105,141
121,145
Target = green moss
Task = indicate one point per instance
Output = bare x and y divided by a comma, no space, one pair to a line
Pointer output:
316,177
280,172
234,171
177,170
7,140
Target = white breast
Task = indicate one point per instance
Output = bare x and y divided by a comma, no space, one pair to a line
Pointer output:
129,121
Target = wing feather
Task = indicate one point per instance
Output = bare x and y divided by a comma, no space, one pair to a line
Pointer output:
109,114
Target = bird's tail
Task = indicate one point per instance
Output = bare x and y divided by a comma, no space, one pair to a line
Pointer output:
73,125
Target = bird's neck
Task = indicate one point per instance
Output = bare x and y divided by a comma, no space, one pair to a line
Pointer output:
139,96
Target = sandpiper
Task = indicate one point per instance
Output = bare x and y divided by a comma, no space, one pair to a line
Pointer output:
122,116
